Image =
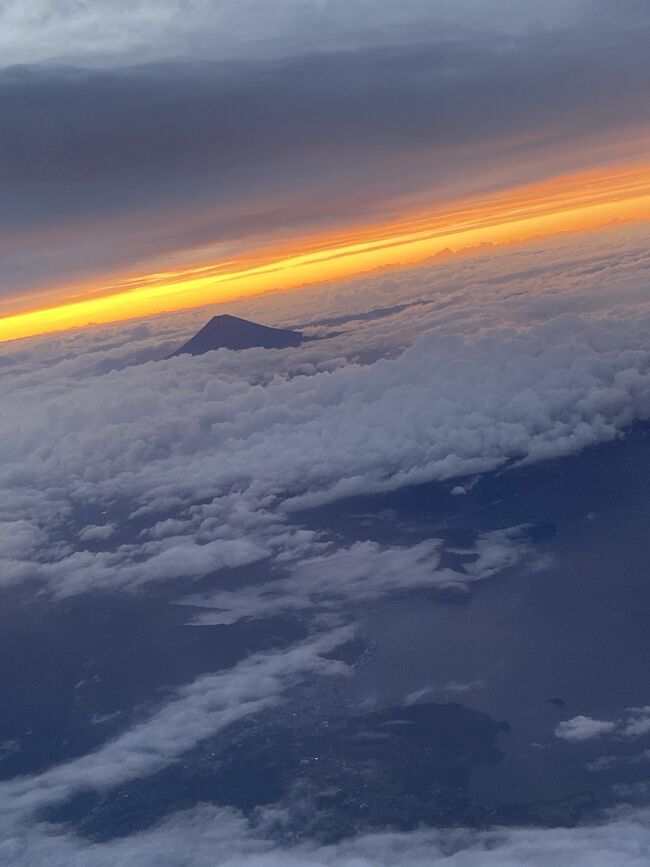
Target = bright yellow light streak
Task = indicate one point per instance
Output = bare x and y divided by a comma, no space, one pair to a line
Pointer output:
574,203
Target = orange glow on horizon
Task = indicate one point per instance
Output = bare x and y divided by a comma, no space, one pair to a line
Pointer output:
568,204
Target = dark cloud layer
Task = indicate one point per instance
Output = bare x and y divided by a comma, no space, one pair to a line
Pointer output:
105,167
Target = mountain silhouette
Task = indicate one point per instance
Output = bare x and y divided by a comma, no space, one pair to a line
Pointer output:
231,332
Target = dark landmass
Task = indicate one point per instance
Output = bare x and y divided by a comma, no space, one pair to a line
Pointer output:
399,767
332,776
231,332
600,496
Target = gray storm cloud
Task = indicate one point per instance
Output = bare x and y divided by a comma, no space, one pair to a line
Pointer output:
103,170
36,31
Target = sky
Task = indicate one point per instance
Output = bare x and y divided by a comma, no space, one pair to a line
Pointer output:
452,199
163,155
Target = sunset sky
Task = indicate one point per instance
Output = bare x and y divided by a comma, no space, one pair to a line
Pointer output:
161,167
324,433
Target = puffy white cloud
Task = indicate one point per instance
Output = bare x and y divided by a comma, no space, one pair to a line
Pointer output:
96,532
207,836
636,724
584,728
19,539
133,566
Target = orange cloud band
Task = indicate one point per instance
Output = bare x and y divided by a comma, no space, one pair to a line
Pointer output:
571,203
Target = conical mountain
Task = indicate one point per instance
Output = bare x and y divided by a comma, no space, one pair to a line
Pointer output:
231,332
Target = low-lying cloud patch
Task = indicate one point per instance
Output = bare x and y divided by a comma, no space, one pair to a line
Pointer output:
635,724
361,573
